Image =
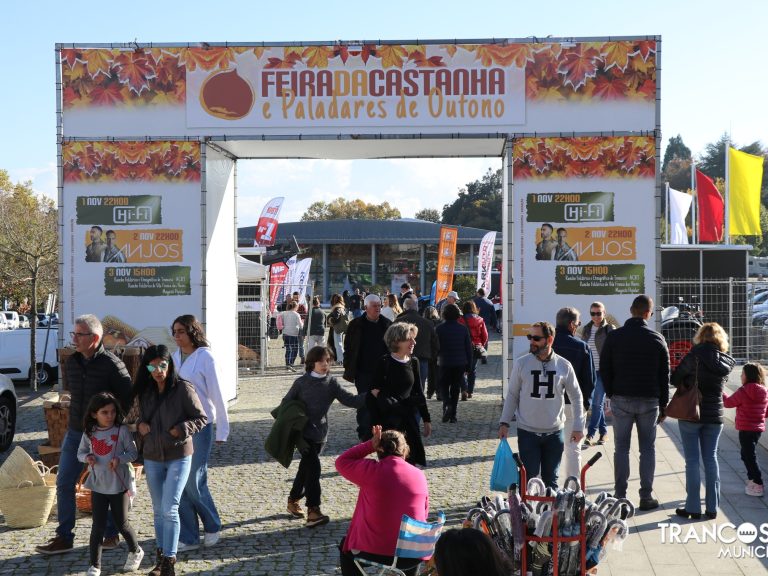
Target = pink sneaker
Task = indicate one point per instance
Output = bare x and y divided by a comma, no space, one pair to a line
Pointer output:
753,489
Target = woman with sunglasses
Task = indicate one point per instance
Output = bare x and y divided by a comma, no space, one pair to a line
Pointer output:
170,413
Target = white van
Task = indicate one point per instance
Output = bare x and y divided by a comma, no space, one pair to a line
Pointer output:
14,355
12,318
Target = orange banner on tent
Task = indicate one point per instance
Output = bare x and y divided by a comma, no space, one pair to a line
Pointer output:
446,260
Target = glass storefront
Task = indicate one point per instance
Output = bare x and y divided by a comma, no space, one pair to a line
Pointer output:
398,263
349,267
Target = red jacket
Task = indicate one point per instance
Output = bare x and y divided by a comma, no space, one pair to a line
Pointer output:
478,333
389,488
751,403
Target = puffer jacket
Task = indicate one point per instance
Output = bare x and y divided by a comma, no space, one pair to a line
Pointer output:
751,403
713,369
178,408
104,372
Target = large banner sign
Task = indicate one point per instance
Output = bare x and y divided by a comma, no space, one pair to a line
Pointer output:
446,261
510,85
485,261
266,229
586,210
132,236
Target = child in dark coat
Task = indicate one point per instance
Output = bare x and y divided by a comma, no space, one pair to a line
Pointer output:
317,390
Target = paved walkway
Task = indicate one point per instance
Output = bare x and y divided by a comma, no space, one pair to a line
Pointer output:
259,538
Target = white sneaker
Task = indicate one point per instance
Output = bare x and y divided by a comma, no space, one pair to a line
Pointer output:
133,561
93,571
753,489
182,547
211,539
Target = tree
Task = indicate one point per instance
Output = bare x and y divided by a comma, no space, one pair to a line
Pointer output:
428,215
341,209
675,149
712,161
678,173
479,204
28,245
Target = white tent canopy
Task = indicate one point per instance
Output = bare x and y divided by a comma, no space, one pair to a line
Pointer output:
248,271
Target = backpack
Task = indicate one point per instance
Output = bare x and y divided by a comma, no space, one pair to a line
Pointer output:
341,322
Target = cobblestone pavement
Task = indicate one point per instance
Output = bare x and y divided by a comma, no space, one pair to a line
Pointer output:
259,538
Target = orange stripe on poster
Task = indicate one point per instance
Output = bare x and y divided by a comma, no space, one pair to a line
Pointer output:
446,260
520,329
134,246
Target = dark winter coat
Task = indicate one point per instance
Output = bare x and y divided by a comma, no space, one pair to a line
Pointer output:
104,372
353,343
178,408
713,369
318,394
427,345
577,353
635,362
455,345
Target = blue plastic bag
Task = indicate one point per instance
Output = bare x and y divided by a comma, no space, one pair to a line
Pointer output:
504,470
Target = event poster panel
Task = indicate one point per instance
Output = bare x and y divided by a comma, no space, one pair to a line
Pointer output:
585,208
510,85
131,216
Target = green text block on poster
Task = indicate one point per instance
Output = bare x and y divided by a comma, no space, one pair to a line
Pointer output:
605,279
570,207
147,281
119,210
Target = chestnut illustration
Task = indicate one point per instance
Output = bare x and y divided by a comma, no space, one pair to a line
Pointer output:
227,95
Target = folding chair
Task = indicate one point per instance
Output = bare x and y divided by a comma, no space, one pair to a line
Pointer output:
416,540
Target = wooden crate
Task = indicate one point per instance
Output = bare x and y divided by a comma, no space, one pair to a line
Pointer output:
49,454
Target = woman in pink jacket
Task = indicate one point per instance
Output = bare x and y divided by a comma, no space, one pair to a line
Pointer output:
389,488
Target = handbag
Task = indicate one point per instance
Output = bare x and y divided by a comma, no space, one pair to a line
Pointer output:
505,470
684,404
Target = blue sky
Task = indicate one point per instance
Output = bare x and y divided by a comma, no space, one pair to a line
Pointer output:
712,78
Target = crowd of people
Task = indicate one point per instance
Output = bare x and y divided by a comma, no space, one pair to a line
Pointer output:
397,360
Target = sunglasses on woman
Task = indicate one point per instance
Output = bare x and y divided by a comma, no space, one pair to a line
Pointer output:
162,366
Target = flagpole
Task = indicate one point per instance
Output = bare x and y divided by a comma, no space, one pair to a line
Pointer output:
695,207
668,213
727,194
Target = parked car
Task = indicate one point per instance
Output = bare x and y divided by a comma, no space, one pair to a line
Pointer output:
15,356
12,318
8,401
23,321
43,319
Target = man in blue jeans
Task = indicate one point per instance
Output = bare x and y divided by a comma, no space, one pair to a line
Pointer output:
634,366
536,394
594,334
91,369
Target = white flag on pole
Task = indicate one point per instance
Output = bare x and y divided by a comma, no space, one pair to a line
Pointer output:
485,262
301,277
679,204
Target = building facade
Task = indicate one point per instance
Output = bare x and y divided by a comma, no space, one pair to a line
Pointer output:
376,254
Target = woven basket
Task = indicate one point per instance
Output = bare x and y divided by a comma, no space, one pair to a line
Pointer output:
17,468
27,506
57,419
49,455
83,494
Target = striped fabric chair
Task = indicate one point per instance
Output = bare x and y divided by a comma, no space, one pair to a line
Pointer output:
416,540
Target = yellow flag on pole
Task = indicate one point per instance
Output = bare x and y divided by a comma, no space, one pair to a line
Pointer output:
745,174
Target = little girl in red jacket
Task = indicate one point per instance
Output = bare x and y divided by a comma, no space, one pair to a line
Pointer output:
751,403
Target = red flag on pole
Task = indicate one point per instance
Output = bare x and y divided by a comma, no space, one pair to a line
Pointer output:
711,208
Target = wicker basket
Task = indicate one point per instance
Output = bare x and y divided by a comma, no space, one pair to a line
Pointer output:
49,455
83,494
57,419
27,506
17,468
